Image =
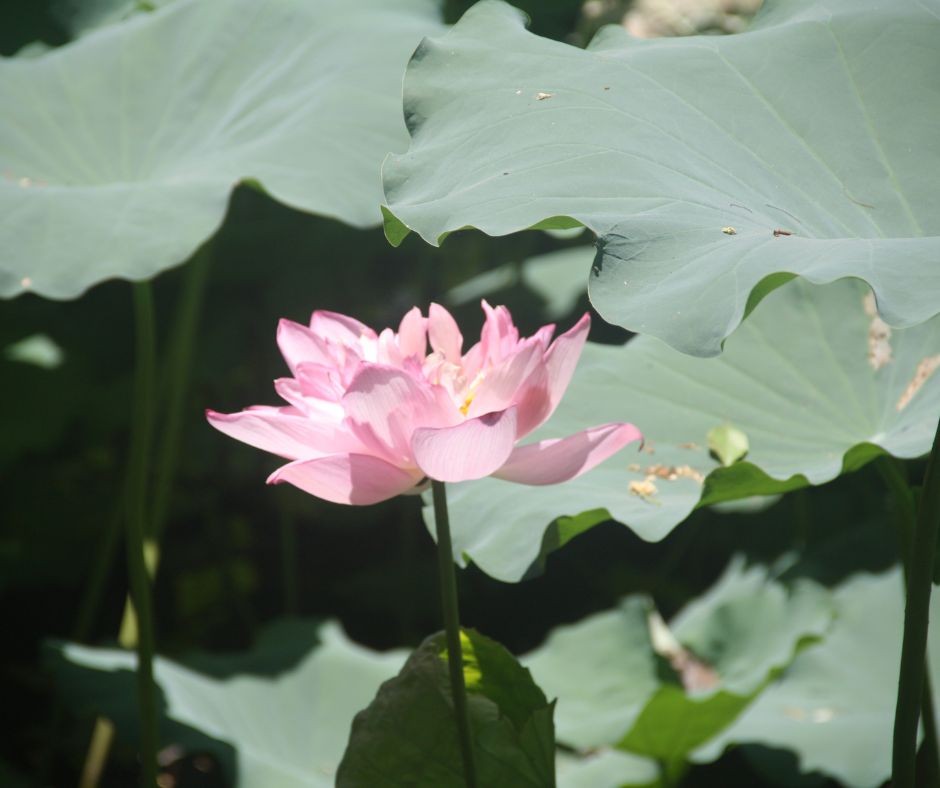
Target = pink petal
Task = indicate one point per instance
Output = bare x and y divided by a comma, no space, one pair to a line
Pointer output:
499,334
502,385
318,380
470,450
385,405
387,351
357,479
444,334
284,432
413,333
561,360
342,329
561,459
300,345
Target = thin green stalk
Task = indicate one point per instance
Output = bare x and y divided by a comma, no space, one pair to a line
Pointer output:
894,473
445,561
178,367
139,471
916,617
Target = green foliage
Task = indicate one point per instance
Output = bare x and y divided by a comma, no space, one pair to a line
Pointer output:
122,148
614,690
705,164
798,378
727,443
605,768
408,736
834,706
277,717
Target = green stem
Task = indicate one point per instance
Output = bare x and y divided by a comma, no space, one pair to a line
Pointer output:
178,366
139,471
894,473
916,618
445,560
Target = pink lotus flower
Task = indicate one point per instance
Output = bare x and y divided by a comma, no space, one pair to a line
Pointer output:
371,416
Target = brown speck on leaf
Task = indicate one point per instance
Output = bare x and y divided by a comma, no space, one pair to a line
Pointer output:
541,95
645,489
606,87
729,231
778,232
879,334
689,445
922,374
695,674
672,472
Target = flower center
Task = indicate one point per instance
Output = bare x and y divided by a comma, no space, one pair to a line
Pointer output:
472,392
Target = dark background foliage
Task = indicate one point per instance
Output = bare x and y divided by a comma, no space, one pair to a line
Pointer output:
237,553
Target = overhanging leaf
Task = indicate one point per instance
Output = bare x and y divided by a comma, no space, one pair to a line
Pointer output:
834,705
288,726
797,378
807,145
120,150
407,736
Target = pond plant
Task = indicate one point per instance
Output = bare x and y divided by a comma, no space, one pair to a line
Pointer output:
707,539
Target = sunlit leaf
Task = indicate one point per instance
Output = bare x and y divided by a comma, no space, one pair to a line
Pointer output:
119,151
278,716
834,705
607,675
727,443
797,378
605,768
805,146
408,736
38,350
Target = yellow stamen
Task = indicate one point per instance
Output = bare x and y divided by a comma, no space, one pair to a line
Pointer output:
472,392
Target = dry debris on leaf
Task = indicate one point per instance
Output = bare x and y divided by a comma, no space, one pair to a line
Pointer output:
922,374
644,489
879,335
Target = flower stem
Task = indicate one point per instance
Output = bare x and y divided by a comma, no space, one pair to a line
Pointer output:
445,559
178,367
139,471
916,619
894,473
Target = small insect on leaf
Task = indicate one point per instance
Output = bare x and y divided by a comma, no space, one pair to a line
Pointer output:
778,232
727,443
729,231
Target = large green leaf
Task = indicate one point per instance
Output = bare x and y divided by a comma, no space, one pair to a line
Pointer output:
408,736
120,150
607,676
684,155
796,379
605,768
834,706
288,723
